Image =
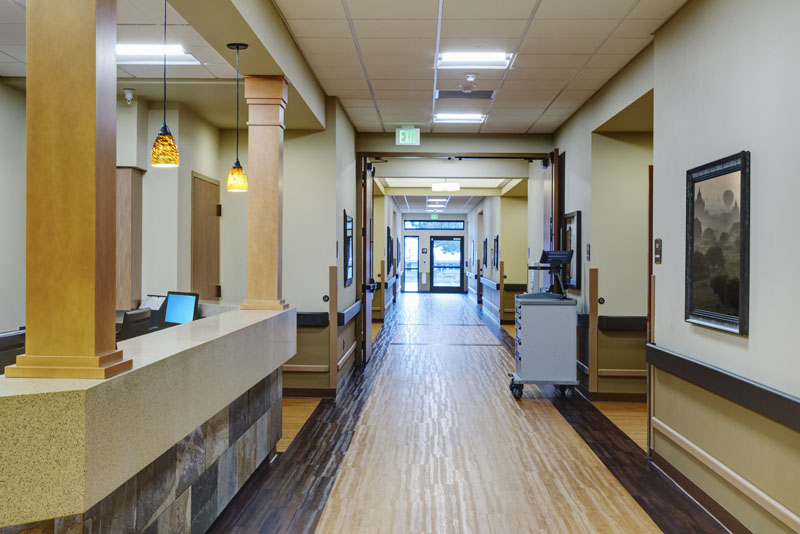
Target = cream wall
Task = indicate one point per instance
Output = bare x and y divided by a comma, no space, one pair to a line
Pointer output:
514,239
726,81
459,143
12,208
574,139
490,206
619,196
133,134
345,199
233,223
538,181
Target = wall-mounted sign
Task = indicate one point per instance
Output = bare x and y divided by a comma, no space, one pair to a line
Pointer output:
406,136
434,216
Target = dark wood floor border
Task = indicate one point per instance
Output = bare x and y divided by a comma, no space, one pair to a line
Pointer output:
289,494
666,504
763,400
705,500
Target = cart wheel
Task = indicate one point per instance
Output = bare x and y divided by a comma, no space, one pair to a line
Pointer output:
568,392
517,391
511,385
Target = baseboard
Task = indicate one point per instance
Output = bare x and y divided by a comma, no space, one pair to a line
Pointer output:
612,397
508,321
705,500
309,392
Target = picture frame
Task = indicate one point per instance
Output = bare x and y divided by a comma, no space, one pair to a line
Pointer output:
571,240
348,250
496,253
485,252
389,250
718,244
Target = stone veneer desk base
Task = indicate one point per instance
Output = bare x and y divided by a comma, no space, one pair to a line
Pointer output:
162,448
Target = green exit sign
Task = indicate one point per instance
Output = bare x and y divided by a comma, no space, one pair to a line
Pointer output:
406,136
434,216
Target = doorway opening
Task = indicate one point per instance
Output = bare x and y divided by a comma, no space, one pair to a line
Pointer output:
447,265
411,263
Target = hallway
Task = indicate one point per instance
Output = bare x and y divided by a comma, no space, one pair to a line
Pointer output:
442,446
427,438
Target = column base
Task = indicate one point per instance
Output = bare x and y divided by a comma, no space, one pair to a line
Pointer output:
97,367
252,304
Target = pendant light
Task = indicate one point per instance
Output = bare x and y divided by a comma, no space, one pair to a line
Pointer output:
237,180
165,151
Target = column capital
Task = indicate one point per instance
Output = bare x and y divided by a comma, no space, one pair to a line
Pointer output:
266,90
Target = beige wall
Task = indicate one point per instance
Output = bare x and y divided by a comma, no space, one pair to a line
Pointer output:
490,206
345,199
459,144
133,134
575,139
538,187
233,223
697,123
514,239
12,208
619,195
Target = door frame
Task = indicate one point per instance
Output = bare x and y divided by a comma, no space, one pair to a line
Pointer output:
405,266
216,182
460,288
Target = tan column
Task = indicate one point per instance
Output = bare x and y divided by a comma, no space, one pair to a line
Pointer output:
71,184
266,101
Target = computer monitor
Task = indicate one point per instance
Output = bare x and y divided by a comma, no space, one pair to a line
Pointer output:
180,307
556,258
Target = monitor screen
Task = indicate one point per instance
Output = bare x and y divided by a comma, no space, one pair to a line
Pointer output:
180,308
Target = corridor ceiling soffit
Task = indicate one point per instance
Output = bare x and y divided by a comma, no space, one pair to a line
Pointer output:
196,25
379,57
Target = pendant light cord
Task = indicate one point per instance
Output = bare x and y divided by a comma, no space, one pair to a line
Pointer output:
165,61
237,104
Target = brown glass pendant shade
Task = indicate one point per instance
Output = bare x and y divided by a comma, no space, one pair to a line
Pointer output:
165,151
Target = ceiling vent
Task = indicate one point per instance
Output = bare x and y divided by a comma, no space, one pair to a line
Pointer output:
458,93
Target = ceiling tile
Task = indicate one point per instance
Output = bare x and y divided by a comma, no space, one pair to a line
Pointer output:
13,53
368,127
327,46
404,95
154,10
504,101
325,72
541,74
655,9
395,29
571,99
637,28
320,28
128,13
11,13
390,9
583,9
330,60
311,9
562,28
12,34
482,85
173,71
617,45
477,44
121,73
405,52
550,61
480,28
363,114
609,61
409,73
340,86
481,9
208,54
12,69
512,125
403,85
514,86
354,94
455,128
536,44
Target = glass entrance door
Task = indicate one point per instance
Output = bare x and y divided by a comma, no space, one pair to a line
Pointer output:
411,263
447,264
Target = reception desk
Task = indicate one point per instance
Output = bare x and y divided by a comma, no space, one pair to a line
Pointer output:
164,446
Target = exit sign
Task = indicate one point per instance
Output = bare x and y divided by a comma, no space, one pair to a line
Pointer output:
434,216
406,136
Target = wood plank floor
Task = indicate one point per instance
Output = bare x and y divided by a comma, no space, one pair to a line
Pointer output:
296,412
460,427
630,417
442,446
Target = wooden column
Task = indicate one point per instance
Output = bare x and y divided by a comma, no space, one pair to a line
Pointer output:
71,188
129,237
266,101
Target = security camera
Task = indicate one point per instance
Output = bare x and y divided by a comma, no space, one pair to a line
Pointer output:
128,95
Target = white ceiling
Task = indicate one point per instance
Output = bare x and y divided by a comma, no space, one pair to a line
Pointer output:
139,22
418,204
378,56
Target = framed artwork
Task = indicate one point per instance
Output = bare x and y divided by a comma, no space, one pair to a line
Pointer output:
718,244
485,252
348,249
571,240
496,253
389,250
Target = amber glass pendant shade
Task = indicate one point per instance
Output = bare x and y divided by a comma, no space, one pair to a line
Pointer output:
237,181
165,151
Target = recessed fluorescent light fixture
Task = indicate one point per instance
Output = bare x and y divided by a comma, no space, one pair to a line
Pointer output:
437,200
446,186
474,60
153,54
460,118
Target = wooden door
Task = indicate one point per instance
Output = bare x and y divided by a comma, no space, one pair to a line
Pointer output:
205,238
368,285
